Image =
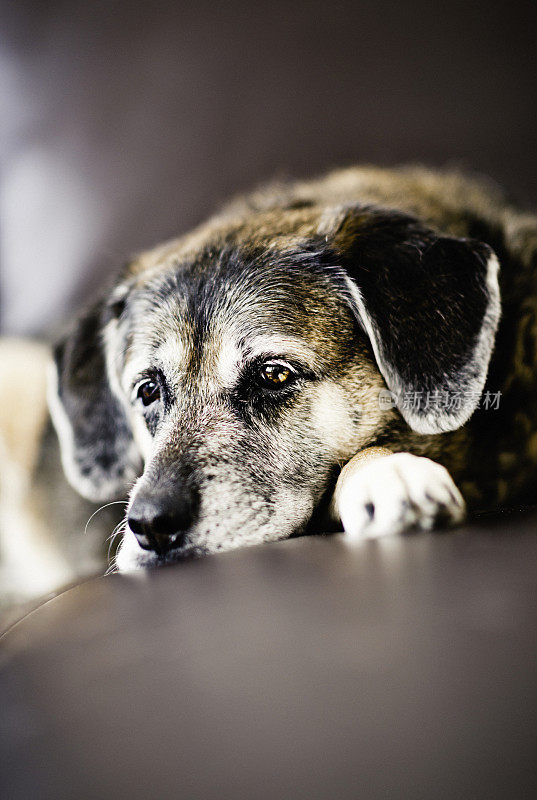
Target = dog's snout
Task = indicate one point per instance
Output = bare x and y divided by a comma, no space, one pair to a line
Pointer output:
161,523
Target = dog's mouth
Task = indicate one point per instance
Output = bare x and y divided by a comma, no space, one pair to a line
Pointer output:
259,520
150,559
131,557
185,553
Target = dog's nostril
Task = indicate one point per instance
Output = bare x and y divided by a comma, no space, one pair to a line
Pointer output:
136,525
163,542
165,525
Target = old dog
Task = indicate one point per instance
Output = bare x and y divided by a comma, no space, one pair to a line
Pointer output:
355,352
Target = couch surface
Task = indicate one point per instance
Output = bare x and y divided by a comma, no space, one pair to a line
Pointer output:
312,668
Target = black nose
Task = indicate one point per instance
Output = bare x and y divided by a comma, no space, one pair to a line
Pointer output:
161,522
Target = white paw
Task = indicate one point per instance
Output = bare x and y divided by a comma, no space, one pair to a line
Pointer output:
397,493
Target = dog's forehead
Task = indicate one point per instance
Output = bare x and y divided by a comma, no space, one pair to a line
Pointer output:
214,313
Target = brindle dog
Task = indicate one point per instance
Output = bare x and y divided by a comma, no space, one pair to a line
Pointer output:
295,363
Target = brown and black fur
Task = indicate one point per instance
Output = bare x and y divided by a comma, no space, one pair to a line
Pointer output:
289,253
493,458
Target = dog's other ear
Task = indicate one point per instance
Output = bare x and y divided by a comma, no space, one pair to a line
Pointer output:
98,452
430,305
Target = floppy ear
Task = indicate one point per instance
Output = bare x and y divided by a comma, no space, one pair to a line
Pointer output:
98,452
430,305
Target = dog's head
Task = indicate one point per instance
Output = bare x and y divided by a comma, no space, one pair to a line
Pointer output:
241,366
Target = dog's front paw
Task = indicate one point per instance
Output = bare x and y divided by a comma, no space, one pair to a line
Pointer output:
396,493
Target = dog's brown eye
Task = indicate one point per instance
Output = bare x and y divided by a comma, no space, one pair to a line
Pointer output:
275,375
148,392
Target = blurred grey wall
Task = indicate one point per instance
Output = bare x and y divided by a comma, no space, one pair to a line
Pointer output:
125,123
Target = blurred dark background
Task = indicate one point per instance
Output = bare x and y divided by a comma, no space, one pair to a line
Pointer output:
123,124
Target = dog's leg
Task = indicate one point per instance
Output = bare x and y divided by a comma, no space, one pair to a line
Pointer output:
379,493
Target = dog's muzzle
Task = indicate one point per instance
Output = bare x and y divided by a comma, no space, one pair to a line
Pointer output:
160,522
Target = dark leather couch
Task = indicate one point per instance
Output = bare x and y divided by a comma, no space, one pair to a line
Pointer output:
309,669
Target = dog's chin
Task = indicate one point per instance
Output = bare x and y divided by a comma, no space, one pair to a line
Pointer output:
132,558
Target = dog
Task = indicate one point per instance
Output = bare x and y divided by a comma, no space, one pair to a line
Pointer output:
355,352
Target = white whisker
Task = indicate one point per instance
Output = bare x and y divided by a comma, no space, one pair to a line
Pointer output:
113,503
112,567
115,533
